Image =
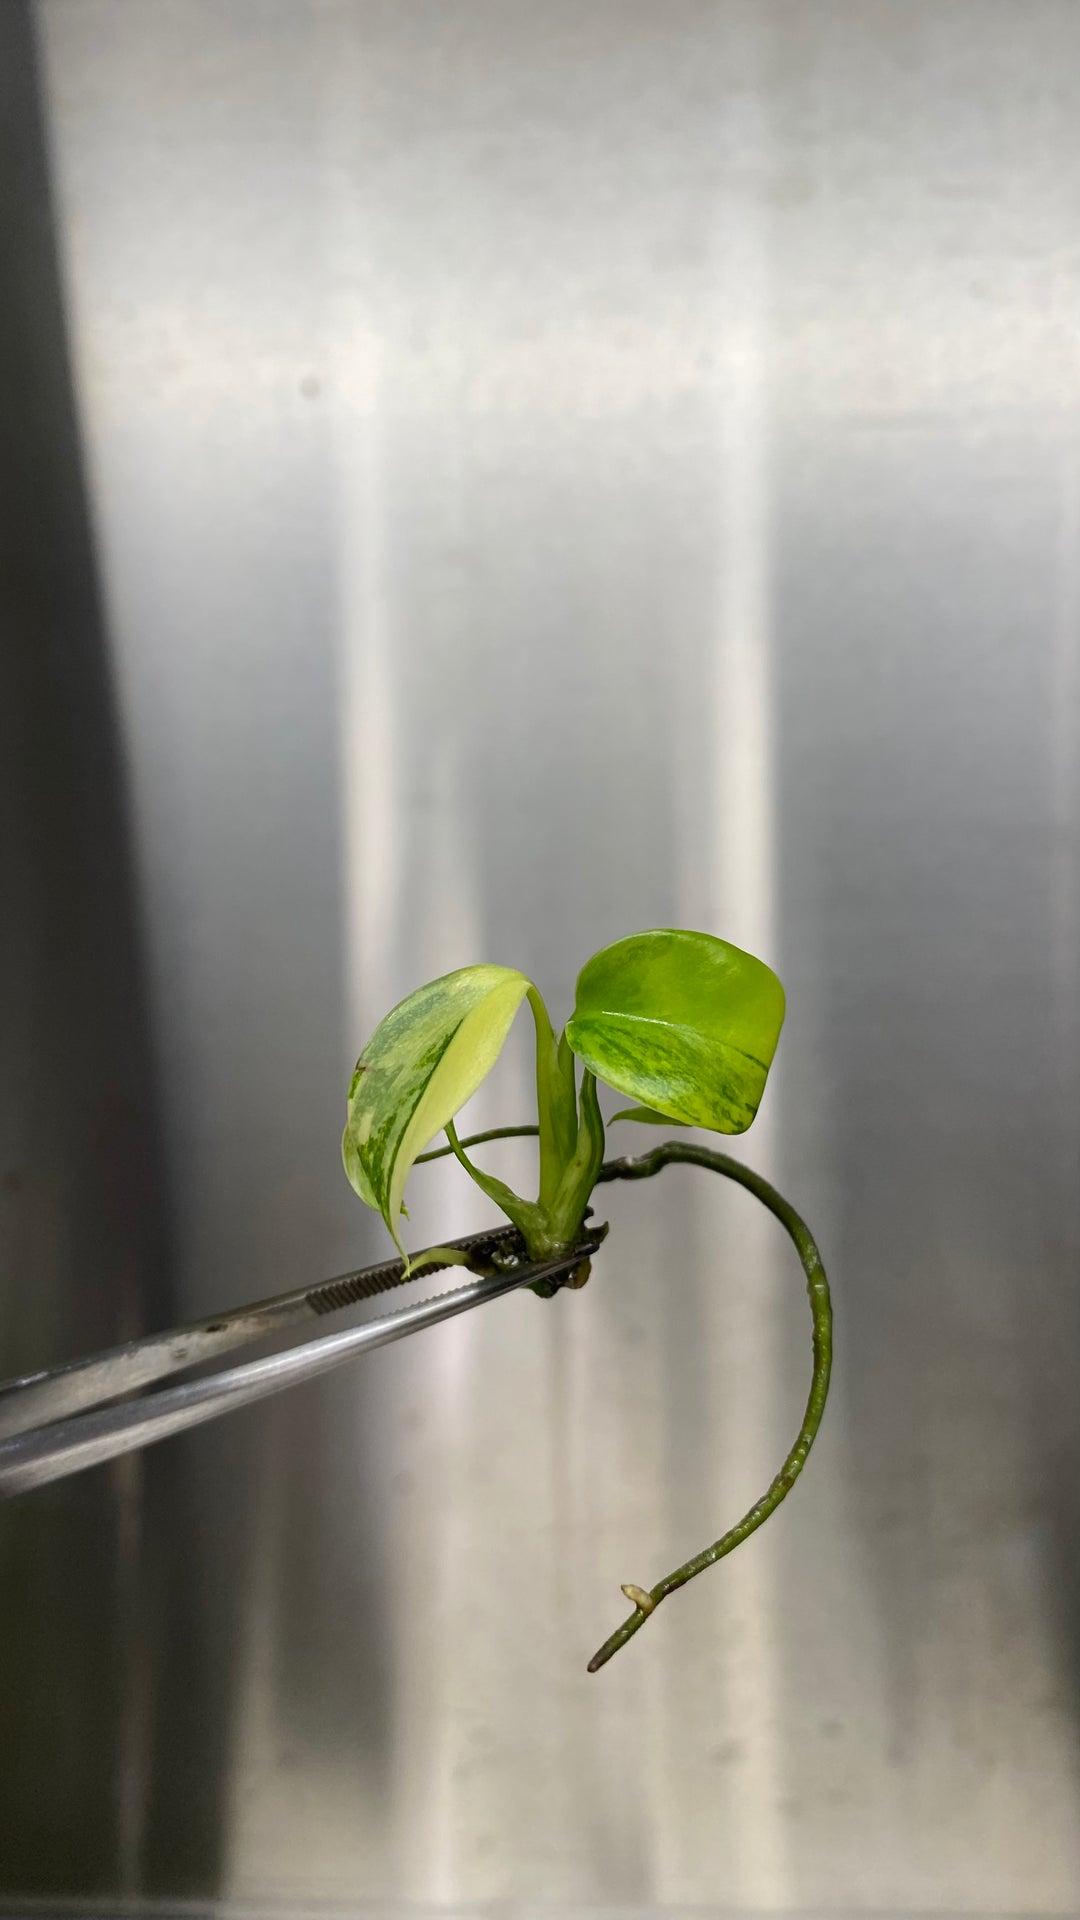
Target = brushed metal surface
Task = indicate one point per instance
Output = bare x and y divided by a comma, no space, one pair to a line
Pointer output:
555,470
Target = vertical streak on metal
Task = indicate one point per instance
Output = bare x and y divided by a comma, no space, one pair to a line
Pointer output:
373,759
79,920
135,1755
254,1730
439,1592
1065,809
383,865
371,744
743,892
370,732
432,1868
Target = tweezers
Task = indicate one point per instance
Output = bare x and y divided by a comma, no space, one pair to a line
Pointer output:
60,1421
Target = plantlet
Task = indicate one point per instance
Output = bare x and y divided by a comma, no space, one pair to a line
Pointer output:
682,1023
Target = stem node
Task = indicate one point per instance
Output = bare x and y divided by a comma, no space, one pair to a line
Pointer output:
642,1600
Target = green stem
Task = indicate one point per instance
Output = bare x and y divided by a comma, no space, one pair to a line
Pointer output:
817,1286
569,1204
556,1100
477,1140
528,1218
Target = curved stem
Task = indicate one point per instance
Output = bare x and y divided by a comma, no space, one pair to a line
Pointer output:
674,1152
476,1140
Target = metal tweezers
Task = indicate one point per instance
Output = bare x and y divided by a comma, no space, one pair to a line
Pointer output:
60,1421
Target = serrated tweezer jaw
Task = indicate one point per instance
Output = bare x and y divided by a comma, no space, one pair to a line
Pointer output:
62,1421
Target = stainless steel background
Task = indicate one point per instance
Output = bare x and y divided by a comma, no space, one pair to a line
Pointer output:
485,478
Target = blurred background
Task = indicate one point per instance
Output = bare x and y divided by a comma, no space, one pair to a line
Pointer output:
477,480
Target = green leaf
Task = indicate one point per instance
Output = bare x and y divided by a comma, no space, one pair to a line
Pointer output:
682,1022
421,1065
647,1115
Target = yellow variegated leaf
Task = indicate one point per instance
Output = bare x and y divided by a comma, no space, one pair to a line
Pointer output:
421,1065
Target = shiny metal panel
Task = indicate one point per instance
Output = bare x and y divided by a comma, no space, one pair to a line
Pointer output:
528,473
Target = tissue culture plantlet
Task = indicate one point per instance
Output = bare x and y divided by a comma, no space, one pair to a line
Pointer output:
682,1023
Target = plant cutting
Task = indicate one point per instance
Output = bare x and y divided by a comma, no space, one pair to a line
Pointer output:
683,1024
